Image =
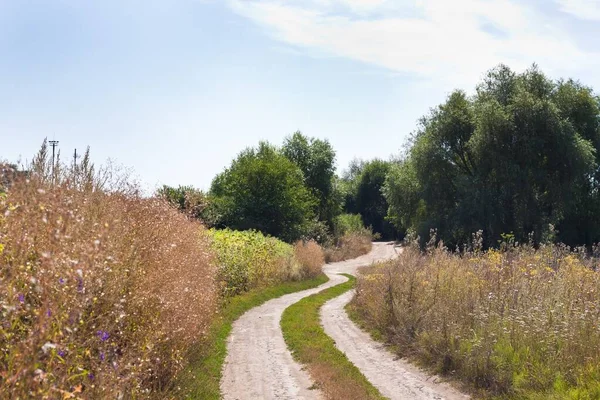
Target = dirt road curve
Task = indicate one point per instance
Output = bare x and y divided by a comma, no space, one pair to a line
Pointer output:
395,379
259,366
258,363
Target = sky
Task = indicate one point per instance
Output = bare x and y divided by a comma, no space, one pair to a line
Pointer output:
176,89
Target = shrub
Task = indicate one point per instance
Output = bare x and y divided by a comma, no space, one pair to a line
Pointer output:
347,223
310,256
100,292
351,245
519,323
249,259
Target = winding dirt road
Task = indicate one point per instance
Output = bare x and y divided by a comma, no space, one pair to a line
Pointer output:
259,365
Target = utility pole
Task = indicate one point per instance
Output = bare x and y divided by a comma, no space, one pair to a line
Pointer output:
75,157
53,143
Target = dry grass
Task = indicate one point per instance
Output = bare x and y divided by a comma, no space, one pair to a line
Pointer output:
101,294
349,246
522,323
310,256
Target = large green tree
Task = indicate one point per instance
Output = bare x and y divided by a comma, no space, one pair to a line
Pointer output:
519,156
264,190
316,160
370,202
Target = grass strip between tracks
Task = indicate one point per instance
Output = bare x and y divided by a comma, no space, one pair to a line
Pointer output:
329,368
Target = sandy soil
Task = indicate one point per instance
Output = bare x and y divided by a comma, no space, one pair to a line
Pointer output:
258,363
395,378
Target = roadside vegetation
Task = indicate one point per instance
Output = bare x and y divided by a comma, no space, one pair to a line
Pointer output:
108,294
514,323
331,370
520,156
102,292
202,377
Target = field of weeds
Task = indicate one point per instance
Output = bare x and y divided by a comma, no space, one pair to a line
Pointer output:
518,323
105,293
101,294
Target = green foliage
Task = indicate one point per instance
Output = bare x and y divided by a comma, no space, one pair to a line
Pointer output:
265,191
370,201
249,259
316,160
190,201
348,223
518,156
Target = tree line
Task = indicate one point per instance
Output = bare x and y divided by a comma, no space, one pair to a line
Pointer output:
516,159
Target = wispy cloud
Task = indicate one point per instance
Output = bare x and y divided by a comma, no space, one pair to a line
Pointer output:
582,9
448,42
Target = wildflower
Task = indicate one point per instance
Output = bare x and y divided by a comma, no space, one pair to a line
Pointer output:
61,353
21,298
90,376
102,357
49,313
47,346
61,281
103,335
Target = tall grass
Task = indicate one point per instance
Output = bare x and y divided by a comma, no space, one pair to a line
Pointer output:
520,323
352,239
101,293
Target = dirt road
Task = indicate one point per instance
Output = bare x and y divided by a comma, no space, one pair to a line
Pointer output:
259,365
395,378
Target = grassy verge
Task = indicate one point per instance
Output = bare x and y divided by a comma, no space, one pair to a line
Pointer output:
204,375
329,367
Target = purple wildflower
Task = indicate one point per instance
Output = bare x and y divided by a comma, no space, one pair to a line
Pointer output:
103,335
21,298
49,313
62,353
79,285
91,376
102,356
61,281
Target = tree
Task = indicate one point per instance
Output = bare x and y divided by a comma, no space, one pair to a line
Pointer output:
190,201
316,160
264,190
519,156
370,201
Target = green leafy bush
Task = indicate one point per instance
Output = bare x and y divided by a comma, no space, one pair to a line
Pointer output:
249,259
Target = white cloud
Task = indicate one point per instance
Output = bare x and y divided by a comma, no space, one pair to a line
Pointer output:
437,40
582,9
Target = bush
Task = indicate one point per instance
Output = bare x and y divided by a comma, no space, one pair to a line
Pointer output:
101,293
351,245
249,259
347,223
310,256
519,323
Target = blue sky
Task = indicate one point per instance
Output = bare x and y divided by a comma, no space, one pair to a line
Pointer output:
175,89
